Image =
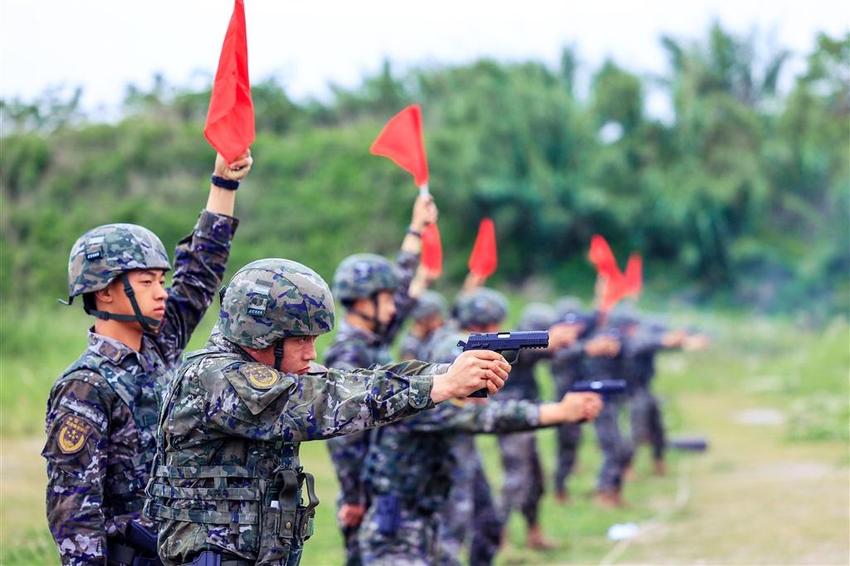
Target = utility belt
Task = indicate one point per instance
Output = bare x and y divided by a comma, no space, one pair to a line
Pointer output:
137,547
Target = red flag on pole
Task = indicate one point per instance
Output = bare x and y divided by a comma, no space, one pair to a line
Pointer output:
230,119
484,257
614,289
601,256
402,141
634,276
432,250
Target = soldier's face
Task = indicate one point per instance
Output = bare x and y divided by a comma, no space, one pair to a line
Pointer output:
149,287
386,307
298,352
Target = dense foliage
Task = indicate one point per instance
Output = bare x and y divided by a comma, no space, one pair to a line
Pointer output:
742,195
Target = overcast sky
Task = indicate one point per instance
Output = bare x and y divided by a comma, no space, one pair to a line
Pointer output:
103,45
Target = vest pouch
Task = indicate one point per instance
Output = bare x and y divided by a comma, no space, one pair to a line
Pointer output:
388,514
278,517
307,514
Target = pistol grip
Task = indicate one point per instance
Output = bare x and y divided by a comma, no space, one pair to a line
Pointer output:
482,393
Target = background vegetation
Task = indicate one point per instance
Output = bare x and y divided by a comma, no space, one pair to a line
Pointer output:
741,196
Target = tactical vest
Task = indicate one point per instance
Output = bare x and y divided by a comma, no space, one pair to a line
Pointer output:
261,495
123,487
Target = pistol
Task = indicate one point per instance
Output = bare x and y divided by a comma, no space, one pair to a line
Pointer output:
604,387
504,342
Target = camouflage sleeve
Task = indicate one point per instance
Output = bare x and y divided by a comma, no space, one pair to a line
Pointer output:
75,451
476,417
409,347
643,343
259,403
568,354
348,452
199,263
406,264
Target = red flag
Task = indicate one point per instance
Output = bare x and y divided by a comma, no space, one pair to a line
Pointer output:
613,289
634,276
432,250
601,256
401,140
484,258
230,119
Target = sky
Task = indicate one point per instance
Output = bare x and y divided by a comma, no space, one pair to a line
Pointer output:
105,45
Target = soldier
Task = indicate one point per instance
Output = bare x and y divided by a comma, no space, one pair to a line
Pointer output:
102,411
227,484
377,300
602,360
565,367
640,345
523,484
410,465
429,317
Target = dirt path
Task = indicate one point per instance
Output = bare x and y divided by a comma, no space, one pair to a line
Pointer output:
754,498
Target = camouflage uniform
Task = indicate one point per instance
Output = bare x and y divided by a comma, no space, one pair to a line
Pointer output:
523,485
566,368
616,448
227,478
353,348
419,515
102,412
639,352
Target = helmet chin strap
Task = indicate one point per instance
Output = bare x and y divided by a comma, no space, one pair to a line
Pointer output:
278,355
378,327
147,323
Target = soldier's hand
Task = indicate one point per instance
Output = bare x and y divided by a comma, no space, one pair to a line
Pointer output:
471,371
572,408
562,335
235,171
351,515
424,213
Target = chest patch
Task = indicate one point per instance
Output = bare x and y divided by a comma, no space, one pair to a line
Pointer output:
259,376
72,434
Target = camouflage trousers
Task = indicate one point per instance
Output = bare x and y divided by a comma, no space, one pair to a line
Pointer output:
408,538
616,448
647,422
469,514
523,486
351,541
569,441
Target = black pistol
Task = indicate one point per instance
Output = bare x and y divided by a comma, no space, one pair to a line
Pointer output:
504,342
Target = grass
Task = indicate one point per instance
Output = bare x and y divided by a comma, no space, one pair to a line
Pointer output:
789,479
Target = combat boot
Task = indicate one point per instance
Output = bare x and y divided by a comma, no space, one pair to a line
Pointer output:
608,498
562,496
536,540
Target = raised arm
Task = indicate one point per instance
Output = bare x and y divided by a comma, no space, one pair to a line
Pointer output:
200,260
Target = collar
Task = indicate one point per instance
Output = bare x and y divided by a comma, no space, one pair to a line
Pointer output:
348,330
109,348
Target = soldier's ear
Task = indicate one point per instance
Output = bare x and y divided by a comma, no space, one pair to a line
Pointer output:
107,294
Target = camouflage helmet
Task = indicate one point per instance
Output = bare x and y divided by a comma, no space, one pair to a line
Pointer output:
270,299
103,253
567,305
429,304
537,316
360,276
480,307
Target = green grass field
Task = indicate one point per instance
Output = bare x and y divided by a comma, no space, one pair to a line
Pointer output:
771,397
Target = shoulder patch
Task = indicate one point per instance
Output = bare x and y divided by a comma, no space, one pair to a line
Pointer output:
72,434
259,376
